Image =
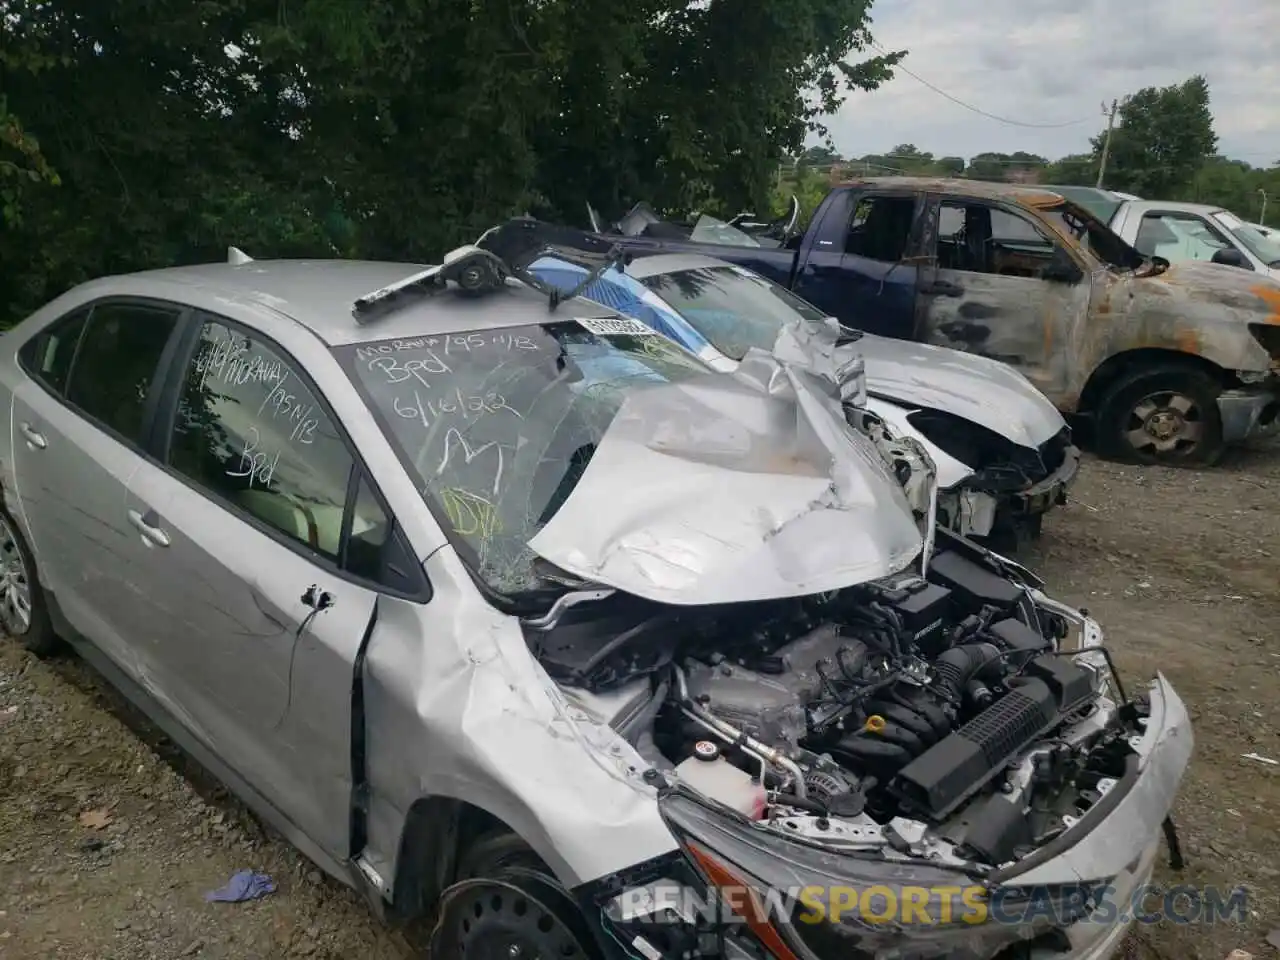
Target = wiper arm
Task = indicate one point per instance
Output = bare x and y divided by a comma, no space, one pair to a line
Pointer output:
571,599
615,259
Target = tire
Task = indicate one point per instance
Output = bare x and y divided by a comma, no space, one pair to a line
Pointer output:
1163,415
506,905
24,614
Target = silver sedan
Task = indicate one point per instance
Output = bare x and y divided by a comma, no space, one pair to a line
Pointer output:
508,612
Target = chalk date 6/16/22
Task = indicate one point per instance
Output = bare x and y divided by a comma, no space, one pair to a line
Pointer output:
453,404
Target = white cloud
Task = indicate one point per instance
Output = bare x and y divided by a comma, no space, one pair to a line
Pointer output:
1054,61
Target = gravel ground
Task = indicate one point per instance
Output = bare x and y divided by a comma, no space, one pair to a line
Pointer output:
109,840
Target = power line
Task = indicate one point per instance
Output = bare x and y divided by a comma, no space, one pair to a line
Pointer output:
968,106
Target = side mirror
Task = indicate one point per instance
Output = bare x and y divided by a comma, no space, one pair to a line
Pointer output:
1061,268
1229,257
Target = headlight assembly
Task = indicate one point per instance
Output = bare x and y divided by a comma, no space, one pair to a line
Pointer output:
802,901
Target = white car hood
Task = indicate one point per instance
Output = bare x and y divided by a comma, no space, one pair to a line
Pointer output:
984,391
733,488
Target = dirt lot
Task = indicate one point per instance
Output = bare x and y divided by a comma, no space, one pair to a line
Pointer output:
1181,568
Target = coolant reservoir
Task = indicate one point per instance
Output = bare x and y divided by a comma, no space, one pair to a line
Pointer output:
718,779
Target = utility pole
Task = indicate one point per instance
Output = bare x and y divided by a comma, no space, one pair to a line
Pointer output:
1262,215
1106,143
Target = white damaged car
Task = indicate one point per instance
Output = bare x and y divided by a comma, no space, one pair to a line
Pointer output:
1004,453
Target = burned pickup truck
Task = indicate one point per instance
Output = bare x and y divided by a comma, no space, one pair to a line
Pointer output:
1166,363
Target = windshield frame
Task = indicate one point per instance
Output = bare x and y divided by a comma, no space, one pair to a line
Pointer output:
541,590
705,220
1254,241
1129,258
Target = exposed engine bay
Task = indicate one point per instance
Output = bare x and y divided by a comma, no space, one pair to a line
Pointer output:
944,716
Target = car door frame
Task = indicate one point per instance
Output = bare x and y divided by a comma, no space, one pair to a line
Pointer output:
1066,307
360,472
137,446
826,277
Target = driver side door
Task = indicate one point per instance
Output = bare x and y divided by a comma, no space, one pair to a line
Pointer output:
987,290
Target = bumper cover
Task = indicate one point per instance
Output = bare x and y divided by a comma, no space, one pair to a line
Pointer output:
1249,412
980,514
1052,490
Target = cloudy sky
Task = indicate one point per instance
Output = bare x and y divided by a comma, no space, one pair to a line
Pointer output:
1056,61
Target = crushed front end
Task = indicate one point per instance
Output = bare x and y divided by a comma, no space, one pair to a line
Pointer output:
901,768
1011,487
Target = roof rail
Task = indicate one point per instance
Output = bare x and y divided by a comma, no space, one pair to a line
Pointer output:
237,256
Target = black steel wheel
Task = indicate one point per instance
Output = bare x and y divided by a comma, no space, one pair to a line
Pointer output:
506,905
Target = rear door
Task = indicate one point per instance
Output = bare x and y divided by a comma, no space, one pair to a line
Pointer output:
984,289
860,266
79,422
268,549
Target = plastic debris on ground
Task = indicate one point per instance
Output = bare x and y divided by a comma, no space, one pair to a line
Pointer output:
245,885
1261,759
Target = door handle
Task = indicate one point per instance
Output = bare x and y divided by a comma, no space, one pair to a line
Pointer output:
148,526
943,288
34,436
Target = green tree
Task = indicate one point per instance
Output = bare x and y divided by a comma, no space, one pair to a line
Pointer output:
818,158
390,128
1074,170
1162,137
1005,166
951,166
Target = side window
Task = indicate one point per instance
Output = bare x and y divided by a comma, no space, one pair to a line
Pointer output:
880,228
980,239
370,531
48,356
1179,237
250,432
116,364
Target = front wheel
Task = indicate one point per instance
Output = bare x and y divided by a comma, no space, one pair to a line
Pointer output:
1166,415
506,905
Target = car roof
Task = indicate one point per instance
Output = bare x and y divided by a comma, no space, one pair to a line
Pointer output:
318,294
1032,196
1173,206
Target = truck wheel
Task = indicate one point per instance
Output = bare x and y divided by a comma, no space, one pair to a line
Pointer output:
23,612
1167,415
506,905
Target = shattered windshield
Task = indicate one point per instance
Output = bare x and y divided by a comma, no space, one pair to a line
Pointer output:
733,308
1094,235
710,230
1262,246
497,426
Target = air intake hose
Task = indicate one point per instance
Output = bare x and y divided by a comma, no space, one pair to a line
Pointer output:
957,666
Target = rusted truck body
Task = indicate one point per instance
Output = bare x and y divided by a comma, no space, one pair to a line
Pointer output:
1167,363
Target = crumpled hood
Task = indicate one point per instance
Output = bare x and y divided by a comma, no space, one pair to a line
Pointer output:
735,487
985,391
1215,283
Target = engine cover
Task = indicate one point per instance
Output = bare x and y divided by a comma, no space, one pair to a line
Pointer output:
947,774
